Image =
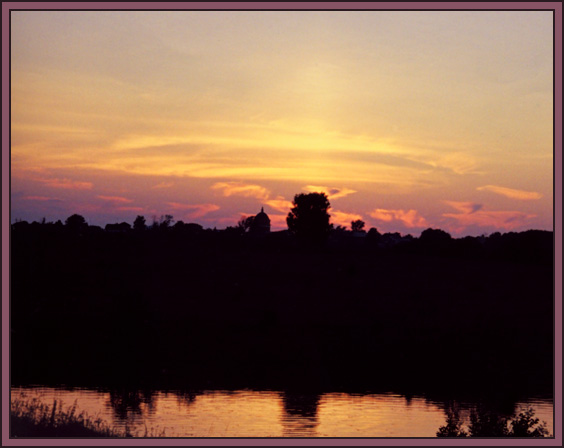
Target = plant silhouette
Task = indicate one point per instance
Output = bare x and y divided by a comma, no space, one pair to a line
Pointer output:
309,218
357,226
487,423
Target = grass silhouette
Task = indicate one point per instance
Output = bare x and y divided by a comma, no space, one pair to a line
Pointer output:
30,418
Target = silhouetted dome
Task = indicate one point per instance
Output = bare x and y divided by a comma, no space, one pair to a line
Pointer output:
261,223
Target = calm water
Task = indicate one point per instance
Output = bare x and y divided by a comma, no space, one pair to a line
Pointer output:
247,413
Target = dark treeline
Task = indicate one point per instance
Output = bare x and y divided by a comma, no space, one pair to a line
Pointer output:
529,247
176,305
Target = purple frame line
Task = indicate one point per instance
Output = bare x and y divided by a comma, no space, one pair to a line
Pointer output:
556,6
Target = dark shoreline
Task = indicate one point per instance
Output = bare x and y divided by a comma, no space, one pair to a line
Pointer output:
222,310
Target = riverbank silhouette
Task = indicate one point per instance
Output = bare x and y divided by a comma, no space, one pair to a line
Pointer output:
178,303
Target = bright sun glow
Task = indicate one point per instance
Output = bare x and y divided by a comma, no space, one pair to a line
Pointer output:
413,111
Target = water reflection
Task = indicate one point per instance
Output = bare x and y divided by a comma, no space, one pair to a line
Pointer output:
186,398
131,405
300,414
250,413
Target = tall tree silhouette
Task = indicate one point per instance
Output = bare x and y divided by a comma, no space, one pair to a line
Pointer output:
309,219
245,223
76,223
357,226
139,223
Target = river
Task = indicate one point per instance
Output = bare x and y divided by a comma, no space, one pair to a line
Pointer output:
252,413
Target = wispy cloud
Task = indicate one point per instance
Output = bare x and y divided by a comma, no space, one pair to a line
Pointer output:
280,204
40,198
457,162
116,199
163,185
196,210
511,193
409,218
66,184
464,207
331,192
343,218
241,189
253,191
470,216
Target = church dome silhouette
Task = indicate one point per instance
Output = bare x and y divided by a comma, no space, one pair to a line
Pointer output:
261,223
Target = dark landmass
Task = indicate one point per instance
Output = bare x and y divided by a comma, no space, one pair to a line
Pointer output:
183,307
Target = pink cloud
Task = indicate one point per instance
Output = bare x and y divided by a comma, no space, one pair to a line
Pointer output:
409,218
331,192
33,169
39,198
253,191
343,218
280,204
464,207
241,189
66,184
506,220
512,193
197,210
163,185
118,199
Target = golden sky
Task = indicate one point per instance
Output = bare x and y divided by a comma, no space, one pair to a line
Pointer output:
407,120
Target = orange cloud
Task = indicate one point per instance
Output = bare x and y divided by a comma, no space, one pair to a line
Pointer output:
280,204
464,207
469,216
409,218
118,199
458,162
199,210
331,192
254,191
343,218
66,184
511,193
39,198
241,189
163,185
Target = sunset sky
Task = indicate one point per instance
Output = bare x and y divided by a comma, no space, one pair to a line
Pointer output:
408,120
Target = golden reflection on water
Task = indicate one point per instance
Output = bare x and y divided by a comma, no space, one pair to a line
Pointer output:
381,415
248,413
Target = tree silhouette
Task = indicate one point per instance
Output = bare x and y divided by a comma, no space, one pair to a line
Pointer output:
139,223
309,219
434,236
357,226
526,425
166,221
245,223
373,233
163,223
76,223
485,423
453,427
